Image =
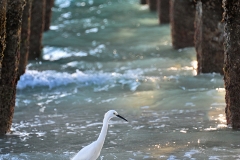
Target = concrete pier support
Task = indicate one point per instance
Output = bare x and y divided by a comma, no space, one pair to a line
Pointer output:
182,16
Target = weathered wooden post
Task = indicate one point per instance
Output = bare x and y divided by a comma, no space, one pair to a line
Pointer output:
10,63
37,28
3,11
209,36
163,11
152,5
232,61
143,1
182,16
25,34
48,14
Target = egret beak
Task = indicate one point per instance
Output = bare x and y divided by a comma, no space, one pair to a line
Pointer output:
121,117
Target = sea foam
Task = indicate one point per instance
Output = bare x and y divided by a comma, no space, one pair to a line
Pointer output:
52,79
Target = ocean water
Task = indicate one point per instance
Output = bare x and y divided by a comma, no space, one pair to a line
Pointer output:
112,54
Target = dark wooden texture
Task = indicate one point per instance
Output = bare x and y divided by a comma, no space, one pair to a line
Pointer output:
163,11
10,64
143,1
232,61
37,28
209,36
182,16
3,11
152,5
25,35
48,14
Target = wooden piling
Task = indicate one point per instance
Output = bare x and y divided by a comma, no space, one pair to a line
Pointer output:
152,5
143,1
163,11
48,14
10,63
37,28
209,36
182,16
3,11
25,35
232,61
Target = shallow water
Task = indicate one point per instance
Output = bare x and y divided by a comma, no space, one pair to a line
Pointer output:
102,55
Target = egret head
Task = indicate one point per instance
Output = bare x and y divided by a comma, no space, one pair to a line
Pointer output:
112,113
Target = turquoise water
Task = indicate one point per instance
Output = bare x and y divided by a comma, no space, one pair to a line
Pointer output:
101,55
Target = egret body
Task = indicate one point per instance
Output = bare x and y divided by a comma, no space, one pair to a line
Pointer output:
92,151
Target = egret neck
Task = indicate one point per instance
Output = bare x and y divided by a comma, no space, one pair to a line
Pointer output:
102,135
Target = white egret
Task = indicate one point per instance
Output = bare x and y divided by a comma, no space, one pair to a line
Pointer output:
92,151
